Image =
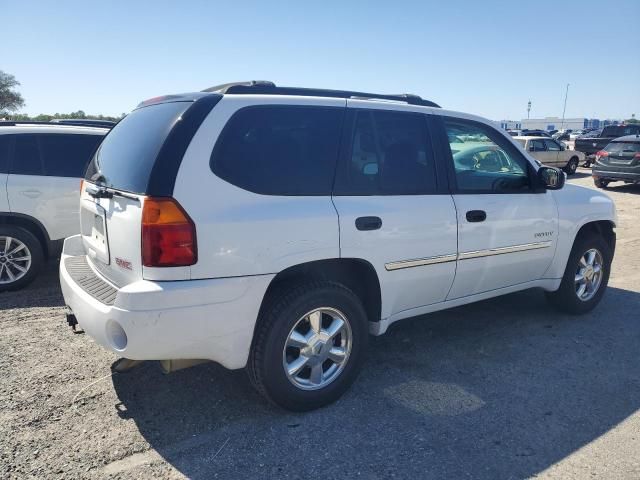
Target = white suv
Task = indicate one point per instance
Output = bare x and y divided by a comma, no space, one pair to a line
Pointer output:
41,166
275,228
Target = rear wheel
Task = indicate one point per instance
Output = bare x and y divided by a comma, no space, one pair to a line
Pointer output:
20,257
572,166
600,183
309,345
586,276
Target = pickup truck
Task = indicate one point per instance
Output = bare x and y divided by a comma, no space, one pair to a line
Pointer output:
590,145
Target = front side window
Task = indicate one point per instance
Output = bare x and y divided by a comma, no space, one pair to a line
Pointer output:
26,156
389,153
486,162
280,150
552,146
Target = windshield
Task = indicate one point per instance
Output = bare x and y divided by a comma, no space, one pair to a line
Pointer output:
128,153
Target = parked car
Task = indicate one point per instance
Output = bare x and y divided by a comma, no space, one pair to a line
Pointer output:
589,145
618,162
551,152
535,133
41,166
275,228
561,136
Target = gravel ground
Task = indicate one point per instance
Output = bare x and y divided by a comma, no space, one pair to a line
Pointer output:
505,388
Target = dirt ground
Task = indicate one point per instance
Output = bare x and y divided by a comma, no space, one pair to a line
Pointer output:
505,388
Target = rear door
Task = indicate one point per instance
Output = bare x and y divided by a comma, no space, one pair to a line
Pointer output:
44,180
5,150
394,208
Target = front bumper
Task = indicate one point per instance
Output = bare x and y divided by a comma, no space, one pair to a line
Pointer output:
193,319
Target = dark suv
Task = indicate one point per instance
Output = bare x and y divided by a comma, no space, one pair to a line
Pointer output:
590,145
618,161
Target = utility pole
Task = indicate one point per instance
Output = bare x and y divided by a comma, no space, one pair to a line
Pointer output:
528,109
566,93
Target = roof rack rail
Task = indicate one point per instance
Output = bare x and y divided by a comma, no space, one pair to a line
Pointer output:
269,88
68,123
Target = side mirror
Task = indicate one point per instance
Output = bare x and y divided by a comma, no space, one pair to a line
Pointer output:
552,178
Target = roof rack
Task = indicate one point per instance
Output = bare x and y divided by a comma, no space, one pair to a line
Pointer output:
67,123
269,88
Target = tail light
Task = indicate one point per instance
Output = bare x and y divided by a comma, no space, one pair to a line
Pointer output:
168,234
637,156
602,153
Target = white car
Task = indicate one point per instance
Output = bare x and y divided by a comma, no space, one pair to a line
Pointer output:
276,228
552,153
41,166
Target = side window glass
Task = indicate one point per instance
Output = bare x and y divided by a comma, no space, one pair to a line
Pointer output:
485,162
67,155
552,146
280,150
26,156
536,146
390,154
5,143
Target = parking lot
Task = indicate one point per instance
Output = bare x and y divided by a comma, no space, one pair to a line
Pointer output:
505,388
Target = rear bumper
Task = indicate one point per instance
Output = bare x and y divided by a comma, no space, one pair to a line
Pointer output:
615,174
192,319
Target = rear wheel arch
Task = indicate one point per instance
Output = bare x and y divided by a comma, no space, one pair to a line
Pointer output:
356,274
30,224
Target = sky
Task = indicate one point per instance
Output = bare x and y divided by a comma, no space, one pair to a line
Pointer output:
484,57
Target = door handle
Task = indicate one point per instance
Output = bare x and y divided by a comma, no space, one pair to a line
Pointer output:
31,193
368,223
476,216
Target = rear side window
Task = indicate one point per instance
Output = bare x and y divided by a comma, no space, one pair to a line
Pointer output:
67,155
5,144
280,150
389,154
26,156
126,156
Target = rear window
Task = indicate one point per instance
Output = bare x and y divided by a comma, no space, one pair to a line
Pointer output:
128,153
280,150
623,147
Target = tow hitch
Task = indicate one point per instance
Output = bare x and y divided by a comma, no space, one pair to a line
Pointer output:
73,322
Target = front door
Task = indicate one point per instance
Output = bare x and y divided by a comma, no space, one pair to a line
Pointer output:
395,211
507,226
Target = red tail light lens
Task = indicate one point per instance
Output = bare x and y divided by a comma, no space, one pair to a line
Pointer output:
602,153
168,234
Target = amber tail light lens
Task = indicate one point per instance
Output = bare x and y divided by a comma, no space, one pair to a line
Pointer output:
168,234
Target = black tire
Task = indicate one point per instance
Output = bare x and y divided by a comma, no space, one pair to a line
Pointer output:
277,319
600,183
566,297
34,249
571,166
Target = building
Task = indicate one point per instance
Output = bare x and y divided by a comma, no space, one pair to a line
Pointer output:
510,124
556,123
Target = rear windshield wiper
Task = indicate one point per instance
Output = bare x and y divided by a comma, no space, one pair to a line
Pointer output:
101,191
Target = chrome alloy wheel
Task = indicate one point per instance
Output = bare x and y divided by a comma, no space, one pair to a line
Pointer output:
15,260
589,274
317,348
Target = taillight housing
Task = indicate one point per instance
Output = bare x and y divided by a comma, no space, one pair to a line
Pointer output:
168,234
602,153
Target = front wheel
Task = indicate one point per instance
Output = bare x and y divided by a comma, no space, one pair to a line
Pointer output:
309,345
586,275
20,257
572,166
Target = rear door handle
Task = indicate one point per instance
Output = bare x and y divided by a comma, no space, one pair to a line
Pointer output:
31,193
476,216
368,223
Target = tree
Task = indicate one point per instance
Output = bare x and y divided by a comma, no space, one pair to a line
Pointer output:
10,99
